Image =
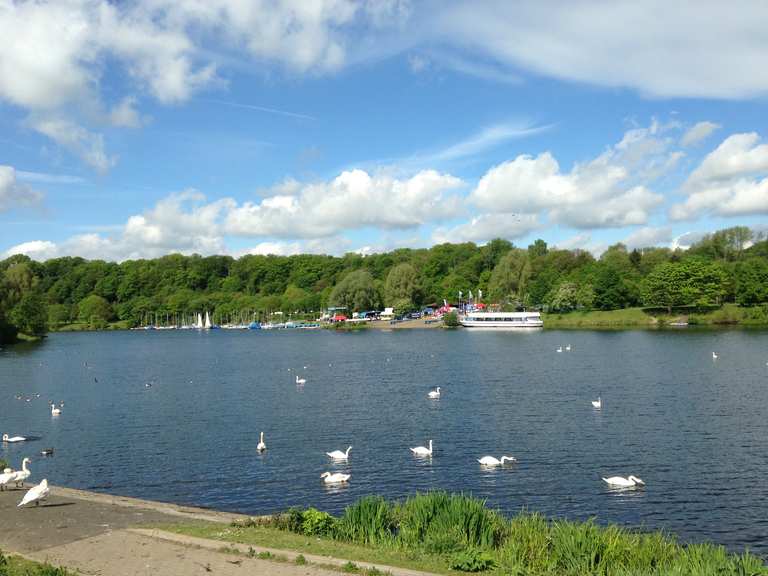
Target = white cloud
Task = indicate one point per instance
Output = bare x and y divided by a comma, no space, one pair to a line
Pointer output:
36,249
732,180
698,133
125,115
277,248
582,241
704,49
87,145
354,199
53,55
649,236
185,222
14,193
601,193
488,226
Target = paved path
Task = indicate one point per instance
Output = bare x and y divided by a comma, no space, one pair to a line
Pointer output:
98,534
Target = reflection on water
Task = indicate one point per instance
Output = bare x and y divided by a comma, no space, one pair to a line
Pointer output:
694,429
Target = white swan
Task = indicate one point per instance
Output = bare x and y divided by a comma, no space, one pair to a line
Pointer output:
55,411
621,482
339,455
714,356
300,380
434,393
337,478
597,403
491,461
22,474
261,446
7,438
422,451
6,478
567,347
559,349
36,493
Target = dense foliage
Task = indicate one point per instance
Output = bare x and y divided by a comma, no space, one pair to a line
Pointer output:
728,266
463,534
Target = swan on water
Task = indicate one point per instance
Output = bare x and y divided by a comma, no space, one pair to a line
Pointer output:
339,455
7,438
567,347
559,349
621,482
491,461
337,478
22,474
434,393
35,494
261,446
597,403
300,380
6,478
714,356
55,411
422,451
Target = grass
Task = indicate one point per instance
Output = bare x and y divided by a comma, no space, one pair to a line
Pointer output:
728,314
448,534
17,566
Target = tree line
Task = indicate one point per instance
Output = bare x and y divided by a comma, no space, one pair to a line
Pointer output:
730,265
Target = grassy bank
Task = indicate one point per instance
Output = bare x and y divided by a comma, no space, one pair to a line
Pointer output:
16,566
727,315
448,534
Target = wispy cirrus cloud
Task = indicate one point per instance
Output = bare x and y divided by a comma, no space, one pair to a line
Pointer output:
257,108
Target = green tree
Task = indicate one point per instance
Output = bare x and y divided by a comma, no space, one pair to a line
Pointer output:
752,282
611,292
58,314
95,311
402,284
692,282
356,292
564,297
30,315
294,299
510,277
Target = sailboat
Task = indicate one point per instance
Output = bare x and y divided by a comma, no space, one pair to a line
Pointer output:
207,321
199,324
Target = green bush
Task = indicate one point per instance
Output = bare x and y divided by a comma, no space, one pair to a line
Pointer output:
300,560
317,523
467,536
451,320
446,521
472,560
367,521
350,568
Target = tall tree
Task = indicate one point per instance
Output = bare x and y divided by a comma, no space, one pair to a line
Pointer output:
402,283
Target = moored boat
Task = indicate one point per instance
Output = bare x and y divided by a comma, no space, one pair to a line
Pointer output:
505,320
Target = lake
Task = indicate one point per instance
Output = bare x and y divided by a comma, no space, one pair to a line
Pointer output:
695,429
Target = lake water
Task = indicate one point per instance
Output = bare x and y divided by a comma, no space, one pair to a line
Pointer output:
695,429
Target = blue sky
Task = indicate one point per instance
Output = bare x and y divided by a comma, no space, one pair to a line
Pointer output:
144,127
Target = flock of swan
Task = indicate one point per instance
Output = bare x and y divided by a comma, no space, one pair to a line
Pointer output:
41,491
426,451
10,476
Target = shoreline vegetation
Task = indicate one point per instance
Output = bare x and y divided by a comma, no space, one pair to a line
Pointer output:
12,565
720,280
727,316
455,533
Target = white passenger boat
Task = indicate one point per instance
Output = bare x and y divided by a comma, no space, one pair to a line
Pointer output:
507,320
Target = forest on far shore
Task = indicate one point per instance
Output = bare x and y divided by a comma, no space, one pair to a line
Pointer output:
727,266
